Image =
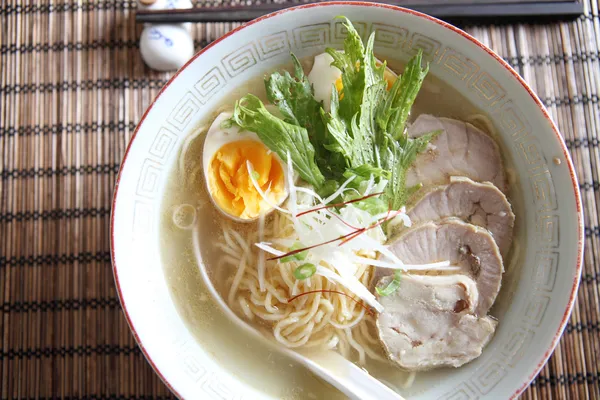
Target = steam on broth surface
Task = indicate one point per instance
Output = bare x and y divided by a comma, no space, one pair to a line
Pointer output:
310,262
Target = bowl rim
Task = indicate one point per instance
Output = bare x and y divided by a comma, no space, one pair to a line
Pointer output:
357,3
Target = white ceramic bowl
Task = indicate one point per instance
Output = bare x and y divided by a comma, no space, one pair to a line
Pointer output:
536,307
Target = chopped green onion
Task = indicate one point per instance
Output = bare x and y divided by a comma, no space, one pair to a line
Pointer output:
255,175
297,256
392,286
305,271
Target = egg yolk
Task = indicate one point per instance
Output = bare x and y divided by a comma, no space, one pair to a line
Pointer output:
230,184
389,78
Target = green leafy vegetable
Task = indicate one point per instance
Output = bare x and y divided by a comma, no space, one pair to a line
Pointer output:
404,156
305,271
342,141
362,136
301,256
392,286
365,171
349,62
367,123
328,188
295,99
279,136
351,119
373,205
394,112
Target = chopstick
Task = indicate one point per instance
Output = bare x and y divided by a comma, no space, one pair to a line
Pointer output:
208,14
469,12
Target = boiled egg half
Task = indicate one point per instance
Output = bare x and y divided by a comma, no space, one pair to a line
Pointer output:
234,163
323,75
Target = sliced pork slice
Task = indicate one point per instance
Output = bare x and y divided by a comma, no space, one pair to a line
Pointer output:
460,150
470,248
480,204
428,322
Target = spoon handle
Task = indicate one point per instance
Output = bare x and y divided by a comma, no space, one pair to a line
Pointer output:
348,378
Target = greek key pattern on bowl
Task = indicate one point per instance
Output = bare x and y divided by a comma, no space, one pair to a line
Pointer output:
512,121
488,89
388,36
241,59
462,392
494,99
462,67
518,341
545,273
184,112
163,143
210,84
312,35
489,376
431,47
340,31
150,179
273,45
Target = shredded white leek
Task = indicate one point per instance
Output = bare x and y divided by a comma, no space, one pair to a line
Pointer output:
370,184
262,194
265,246
340,190
261,254
293,206
352,284
310,193
337,237
401,217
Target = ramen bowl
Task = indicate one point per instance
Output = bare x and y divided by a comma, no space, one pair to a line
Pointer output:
192,346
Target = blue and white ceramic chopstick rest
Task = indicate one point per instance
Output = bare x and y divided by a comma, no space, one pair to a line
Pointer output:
166,47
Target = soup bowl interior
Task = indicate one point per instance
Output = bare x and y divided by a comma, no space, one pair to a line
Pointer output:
192,346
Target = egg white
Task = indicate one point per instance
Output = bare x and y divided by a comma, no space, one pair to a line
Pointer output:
217,137
322,76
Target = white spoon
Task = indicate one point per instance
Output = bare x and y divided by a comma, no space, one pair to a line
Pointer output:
329,365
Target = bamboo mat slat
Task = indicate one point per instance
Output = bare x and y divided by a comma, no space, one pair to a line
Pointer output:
72,88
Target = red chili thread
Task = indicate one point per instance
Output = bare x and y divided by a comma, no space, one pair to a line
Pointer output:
342,220
344,238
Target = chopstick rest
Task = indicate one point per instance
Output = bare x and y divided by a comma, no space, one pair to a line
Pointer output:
166,47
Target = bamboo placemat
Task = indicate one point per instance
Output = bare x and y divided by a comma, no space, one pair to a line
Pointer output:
72,88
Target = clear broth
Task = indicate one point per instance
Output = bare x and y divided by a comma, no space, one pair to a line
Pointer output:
246,358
